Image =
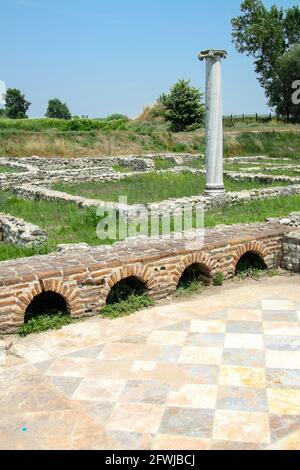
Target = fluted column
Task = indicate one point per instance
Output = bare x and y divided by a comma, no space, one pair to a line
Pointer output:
214,121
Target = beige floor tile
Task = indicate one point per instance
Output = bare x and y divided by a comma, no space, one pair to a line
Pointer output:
242,376
120,351
284,401
283,360
241,314
100,390
202,355
243,341
208,326
276,304
281,329
70,367
194,396
168,442
143,418
160,338
242,427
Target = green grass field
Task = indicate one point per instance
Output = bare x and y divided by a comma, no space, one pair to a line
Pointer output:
66,223
151,187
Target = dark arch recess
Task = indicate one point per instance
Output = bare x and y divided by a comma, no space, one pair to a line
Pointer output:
45,304
250,260
125,288
196,272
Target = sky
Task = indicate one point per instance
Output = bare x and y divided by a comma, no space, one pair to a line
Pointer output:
117,56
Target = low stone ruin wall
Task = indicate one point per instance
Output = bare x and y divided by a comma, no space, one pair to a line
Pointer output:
18,232
291,252
84,277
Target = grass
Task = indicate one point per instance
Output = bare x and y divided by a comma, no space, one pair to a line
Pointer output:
124,308
41,323
66,223
6,169
151,187
123,168
188,289
90,137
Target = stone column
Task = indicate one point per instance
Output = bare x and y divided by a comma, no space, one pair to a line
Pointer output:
214,121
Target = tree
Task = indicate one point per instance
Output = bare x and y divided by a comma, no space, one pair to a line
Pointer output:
58,110
282,92
183,106
266,35
16,106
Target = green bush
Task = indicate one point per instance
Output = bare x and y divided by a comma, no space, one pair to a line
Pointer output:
219,279
63,125
132,304
39,323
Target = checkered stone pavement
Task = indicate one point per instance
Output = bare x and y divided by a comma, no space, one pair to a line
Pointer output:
228,379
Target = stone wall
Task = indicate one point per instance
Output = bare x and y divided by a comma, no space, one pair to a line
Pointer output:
18,232
84,277
291,252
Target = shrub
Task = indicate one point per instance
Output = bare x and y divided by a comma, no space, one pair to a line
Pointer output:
123,308
183,106
219,279
40,323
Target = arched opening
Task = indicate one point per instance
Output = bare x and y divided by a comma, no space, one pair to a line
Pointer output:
122,290
250,262
46,304
195,273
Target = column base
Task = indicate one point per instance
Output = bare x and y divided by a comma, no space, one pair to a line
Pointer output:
214,191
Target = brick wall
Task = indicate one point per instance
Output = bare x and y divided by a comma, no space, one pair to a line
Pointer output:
84,277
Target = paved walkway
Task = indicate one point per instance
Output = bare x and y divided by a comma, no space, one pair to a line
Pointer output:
220,371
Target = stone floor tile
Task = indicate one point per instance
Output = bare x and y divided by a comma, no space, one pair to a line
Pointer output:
165,353
144,391
281,328
201,355
91,353
171,442
99,390
180,326
67,385
208,326
205,339
283,378
284,401
70,367
246,327
277,304
187,422
136,417
253,377
194,396
283,359
282,425
244,314
244,357
241,427
233,445
160,337
282,343
243,341
278,316
242,399
119,351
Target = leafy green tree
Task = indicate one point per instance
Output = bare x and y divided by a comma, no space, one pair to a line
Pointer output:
183,106
16,106
282,92
266,35
58,110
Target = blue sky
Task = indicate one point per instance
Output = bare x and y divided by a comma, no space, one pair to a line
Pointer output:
106,56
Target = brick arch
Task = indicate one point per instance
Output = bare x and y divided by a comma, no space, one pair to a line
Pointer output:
143,274
69,292
256,247
199,258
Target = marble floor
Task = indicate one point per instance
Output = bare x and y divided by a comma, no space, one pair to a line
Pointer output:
218,371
